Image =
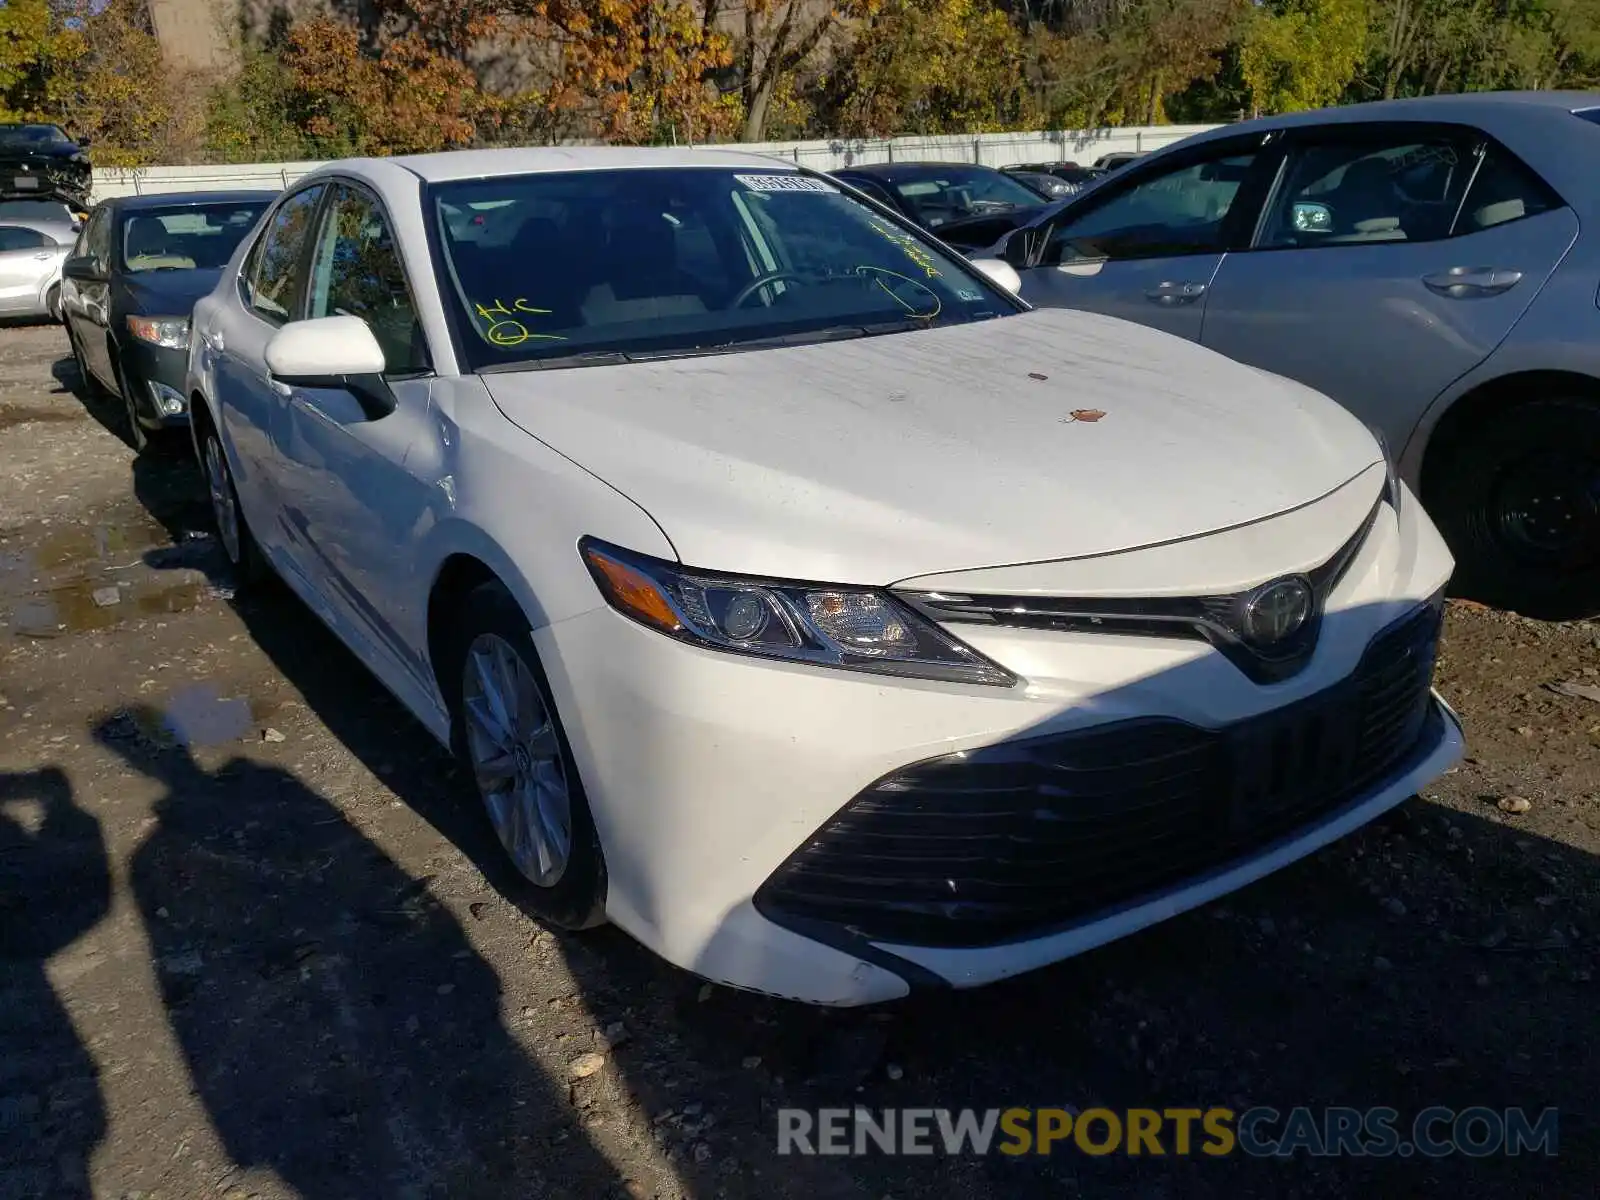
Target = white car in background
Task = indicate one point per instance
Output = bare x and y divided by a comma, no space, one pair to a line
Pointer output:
36,237
799,600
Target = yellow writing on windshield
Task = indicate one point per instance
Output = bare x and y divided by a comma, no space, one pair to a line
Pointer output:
909,247
503,327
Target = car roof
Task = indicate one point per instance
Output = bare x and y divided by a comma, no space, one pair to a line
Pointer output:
187,199
453,165
1459,106
909,170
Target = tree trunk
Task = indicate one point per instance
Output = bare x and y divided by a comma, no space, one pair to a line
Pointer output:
755,115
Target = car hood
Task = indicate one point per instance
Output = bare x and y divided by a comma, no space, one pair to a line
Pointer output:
167,293
1047,435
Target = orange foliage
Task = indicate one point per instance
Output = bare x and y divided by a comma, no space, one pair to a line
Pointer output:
410,98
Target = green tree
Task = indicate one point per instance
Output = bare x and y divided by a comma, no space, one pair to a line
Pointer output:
38,48
928,66
1299,54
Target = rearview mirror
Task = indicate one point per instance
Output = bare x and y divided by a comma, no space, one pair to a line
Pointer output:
82,268
1312,218
332,352
1000,272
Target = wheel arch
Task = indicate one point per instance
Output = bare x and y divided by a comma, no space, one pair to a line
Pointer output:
1483,401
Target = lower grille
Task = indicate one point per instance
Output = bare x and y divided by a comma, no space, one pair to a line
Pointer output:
1004,842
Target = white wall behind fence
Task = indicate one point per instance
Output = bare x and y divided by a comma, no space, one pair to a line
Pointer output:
991,149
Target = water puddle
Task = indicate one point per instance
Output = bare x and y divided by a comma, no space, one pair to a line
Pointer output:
195,716
84,578
89,605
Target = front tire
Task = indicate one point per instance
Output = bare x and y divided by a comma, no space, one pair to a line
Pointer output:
1517,498
507,734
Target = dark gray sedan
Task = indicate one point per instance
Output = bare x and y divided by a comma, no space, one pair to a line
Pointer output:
138,267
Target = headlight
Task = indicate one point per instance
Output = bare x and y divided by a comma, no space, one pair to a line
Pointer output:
856,629
1391,485
171,332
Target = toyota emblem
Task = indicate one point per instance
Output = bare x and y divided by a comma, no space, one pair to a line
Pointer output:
1276,611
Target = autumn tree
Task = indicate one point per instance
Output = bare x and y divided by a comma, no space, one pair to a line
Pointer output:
38,48
1299,54
776,39
120,91
405,99
927,66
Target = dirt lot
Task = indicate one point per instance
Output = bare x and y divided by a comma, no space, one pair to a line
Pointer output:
271,964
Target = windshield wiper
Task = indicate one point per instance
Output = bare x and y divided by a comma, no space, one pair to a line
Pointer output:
579,358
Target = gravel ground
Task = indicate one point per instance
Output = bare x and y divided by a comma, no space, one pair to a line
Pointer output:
284,961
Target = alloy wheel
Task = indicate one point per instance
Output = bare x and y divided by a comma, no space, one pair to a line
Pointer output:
224,504
517,759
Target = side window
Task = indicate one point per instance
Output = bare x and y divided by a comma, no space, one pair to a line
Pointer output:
1344,190
272,274
1179,212
1503,190
18,237
357,272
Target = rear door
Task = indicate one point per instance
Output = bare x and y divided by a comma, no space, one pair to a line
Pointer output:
1391,259
1146,247
27,260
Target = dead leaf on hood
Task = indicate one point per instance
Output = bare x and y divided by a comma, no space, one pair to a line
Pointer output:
1084,414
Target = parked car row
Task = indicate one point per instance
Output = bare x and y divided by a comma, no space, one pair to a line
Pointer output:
806,601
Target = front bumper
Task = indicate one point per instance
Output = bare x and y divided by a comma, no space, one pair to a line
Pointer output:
708,773
155,376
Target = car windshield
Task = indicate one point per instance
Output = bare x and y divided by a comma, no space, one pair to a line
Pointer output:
651,261
187,237
955,193
24,136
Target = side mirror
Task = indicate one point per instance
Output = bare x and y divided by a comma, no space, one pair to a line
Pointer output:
1015,251
1312,218
332,352
1000,272
84,142
82,268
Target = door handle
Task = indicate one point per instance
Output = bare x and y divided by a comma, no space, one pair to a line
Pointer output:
1175,293
1465,283
45,257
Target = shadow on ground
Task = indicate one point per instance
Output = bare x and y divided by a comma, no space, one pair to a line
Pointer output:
337,1024
55,886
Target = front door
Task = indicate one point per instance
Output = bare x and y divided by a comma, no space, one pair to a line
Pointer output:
1392,260
88,305
350,506
1146,249
272,289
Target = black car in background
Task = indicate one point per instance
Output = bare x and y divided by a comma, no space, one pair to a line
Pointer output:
966,206
127,292
1068,172
40,162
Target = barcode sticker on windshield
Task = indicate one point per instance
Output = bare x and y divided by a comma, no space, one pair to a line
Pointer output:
784,183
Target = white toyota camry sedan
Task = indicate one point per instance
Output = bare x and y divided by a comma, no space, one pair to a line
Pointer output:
801,601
